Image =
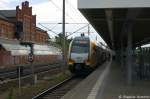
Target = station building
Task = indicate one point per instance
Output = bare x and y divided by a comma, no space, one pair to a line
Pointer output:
18,26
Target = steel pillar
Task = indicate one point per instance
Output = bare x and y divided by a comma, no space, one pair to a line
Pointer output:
122,55
149,62
129,58
141,63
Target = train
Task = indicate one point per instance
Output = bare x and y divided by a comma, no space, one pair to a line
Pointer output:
85,55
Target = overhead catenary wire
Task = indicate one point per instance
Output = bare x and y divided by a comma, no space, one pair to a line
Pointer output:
81,17
56,24
61,10
61,23
48,29
78,30
71,9
76,11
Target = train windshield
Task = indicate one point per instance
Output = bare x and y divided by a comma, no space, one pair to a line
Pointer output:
80,48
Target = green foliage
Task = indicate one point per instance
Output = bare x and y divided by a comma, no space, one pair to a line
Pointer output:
60,41
29,91
10,94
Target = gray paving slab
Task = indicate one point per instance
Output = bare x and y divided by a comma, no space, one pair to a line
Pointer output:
115,86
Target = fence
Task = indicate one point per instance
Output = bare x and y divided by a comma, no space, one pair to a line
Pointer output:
141,61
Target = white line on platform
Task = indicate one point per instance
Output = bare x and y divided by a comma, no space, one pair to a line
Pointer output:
98,84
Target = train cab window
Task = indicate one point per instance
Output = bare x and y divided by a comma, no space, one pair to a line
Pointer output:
80,48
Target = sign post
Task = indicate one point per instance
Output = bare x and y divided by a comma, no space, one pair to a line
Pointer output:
30,58
19,76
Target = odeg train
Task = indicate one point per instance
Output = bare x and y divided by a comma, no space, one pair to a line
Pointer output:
84,55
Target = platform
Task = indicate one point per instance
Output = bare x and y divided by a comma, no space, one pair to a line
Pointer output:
109,82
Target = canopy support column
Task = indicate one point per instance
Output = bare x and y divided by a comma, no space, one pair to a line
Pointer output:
122,54
129,58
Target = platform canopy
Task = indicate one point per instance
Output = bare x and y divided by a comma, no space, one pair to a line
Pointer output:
114,19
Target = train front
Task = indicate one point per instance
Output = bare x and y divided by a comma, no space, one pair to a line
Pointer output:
79,54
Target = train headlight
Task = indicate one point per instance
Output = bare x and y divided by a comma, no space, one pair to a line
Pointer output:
87,62
71,61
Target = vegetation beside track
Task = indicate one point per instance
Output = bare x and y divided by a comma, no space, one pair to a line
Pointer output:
28,90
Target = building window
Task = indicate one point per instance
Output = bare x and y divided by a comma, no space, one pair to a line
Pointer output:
0,31
3,30
7,32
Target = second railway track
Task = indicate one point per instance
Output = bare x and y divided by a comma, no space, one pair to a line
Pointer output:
60,89
27,71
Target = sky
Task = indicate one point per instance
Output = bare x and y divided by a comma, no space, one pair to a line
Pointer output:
49,14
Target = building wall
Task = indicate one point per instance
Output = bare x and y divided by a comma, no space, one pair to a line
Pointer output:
29,33
28,20
5,56
41,37
7,29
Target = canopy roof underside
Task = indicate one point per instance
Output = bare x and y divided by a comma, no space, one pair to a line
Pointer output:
114,23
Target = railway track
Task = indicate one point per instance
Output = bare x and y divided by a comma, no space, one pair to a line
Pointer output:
60,89
27,71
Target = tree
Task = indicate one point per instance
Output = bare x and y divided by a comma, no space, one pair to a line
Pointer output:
60,40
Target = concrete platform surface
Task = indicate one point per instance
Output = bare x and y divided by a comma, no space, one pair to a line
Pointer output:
89,87
116,87
109,82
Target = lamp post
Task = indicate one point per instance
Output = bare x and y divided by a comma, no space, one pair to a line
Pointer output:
64,35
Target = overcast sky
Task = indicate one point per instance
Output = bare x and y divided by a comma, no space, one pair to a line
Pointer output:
50,11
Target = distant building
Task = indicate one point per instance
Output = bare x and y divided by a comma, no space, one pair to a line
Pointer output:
20,26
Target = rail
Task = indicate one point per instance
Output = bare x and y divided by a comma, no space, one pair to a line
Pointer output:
27,71
49,90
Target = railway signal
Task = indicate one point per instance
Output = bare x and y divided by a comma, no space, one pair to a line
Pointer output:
30,58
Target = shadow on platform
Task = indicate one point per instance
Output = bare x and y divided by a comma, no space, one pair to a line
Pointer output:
115,86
